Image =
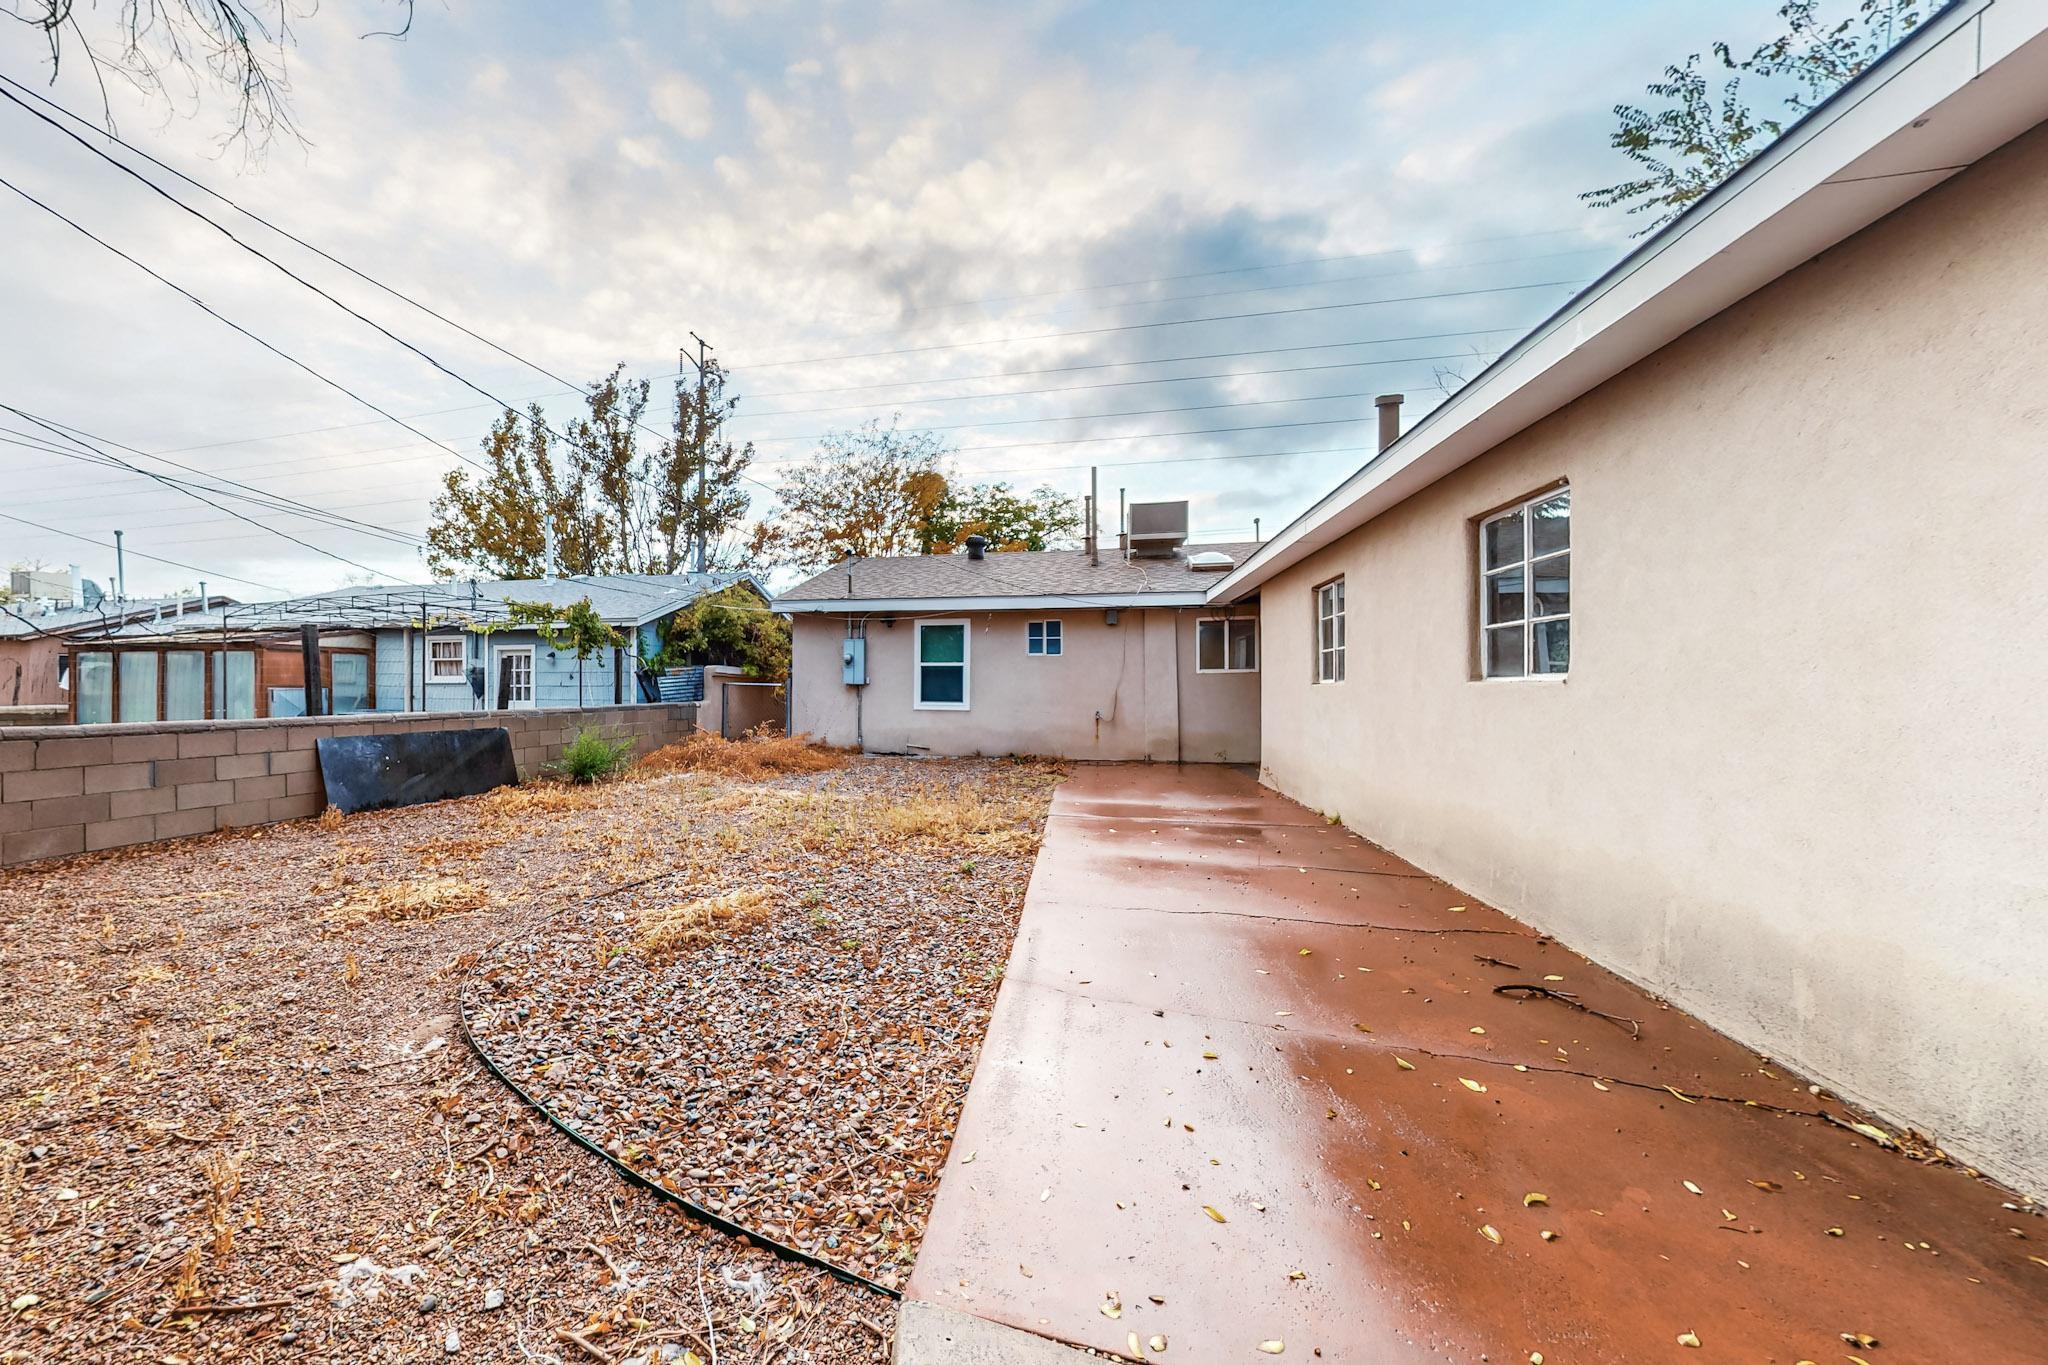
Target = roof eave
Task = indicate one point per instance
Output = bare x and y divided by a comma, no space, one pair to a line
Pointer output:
1021,602
1963,84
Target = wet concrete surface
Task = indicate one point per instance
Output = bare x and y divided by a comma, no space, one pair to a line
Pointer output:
1215,999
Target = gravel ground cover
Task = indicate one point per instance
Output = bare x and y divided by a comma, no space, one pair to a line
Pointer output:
822,1120
237,1122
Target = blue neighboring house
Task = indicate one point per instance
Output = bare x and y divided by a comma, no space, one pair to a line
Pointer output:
413,647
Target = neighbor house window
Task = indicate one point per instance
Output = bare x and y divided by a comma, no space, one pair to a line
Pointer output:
138,685
1330,632
95,688
942,665
184,685
1227,644
1041,637
446,657
234,684
1525,589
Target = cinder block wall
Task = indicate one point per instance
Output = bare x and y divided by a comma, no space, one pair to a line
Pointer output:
68,789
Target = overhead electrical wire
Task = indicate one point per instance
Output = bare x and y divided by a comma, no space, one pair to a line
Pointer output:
106,458
262,496
294,276
140,554
208,309
1170,322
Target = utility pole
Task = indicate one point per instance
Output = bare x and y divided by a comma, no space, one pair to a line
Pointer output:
120,571
697,517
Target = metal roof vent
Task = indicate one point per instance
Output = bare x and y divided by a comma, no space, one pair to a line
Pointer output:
1210,561
1158,528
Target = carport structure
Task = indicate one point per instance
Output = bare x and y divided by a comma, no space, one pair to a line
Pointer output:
1251,1084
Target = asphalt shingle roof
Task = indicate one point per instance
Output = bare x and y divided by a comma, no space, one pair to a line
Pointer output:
1017,573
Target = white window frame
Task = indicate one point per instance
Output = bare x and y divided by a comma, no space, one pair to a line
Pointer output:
1527,621
1227,622
966,666
435,673
1330,664
1051,638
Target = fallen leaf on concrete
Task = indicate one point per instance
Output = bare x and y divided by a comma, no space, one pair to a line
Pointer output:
1273,1347
1688,1339
1694,1188
1532,1199
1112,1307
1404,1063
1214,1214
1474,1086
1490,1233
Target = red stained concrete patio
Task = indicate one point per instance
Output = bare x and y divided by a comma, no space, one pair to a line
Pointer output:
1180,912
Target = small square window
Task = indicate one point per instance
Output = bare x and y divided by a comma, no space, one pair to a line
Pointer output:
1042,637
446,657
1227,644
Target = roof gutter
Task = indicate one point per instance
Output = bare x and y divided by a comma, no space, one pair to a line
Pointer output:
1049,602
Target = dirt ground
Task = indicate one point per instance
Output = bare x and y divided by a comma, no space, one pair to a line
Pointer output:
237,1121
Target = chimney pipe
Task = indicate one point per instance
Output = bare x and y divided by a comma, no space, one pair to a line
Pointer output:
1094,519
1123,535
1389,405
976,546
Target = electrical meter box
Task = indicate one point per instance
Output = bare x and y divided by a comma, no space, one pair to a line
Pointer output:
853,662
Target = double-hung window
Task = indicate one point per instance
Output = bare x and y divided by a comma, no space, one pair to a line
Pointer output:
1227,644
445,655
1525,589
941,676
1042,637
1330,632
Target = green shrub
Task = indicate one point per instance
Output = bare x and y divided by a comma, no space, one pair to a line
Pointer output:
592,756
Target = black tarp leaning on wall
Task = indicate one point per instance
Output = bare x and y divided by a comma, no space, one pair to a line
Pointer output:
371,772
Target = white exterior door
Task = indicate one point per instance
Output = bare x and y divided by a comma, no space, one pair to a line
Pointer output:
515,676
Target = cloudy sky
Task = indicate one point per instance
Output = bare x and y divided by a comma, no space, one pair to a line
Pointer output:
1001,221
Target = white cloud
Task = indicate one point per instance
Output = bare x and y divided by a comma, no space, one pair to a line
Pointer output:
682,104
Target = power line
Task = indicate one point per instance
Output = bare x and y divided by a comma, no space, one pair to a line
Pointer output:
206,308
105,458
298,279
1173,322
1436,269
1102,416
158,559
1118,384
1229,270
251,493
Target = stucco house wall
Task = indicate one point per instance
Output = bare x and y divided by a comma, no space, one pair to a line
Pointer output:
1795,780
1127,691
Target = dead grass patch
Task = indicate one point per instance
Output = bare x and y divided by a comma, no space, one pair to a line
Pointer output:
423,898
962,815
756,756
669,929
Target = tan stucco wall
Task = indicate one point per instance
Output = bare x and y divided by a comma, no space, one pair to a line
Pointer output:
1138,676
1797,778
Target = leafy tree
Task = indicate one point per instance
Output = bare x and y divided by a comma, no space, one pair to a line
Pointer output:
733,627
699,500
576,627
1037,520
593,494
869,491
1703,128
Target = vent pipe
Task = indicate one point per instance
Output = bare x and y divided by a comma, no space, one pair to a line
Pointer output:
1094,519
977,546
1389,405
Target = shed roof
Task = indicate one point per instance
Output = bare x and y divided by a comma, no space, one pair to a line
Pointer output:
16,621
620,599
1015,579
